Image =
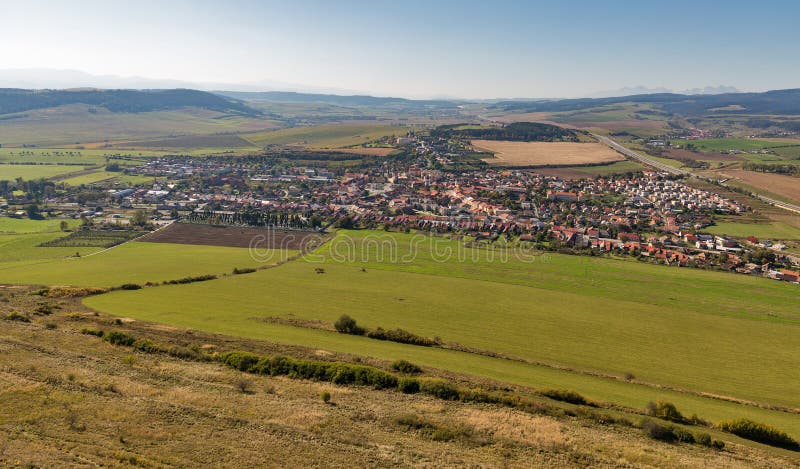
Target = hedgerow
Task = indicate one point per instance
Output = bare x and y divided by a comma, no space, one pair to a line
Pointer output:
759,432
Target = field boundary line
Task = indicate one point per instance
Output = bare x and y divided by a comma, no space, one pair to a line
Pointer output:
122,244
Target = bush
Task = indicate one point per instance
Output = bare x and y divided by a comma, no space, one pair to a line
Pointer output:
147,346
666,411
759,432
326,397
94,332
130,286
242,361
199,278
404,366
408,385
15,316
51,326
347,325
245,270
401,336
120,338
658,431
440,389
566,396
703,439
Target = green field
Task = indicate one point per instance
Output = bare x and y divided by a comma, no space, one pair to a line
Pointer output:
325,136
90,178
770,230
743,144
20,240
25,225
80,124
135,262
676,327
10,172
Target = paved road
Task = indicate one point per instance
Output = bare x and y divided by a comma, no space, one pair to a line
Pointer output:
678,171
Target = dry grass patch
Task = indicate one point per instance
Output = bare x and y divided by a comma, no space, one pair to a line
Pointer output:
546,153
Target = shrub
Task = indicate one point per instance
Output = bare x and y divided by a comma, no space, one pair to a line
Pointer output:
147,346
703,439
404,366
658,431
759,432
15,316
566,396
401,336
243,385
245,270
199,278
408,385
120,338
665,410
413,421
326,397
130,286
242,361
347,325
682,435
718,444
51,326
440,389
94,332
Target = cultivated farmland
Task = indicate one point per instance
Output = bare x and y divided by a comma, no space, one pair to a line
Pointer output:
325,136
784,186
235,236
546,153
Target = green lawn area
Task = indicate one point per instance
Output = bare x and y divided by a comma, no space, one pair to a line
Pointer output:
10,172
770,230
678,327
135,262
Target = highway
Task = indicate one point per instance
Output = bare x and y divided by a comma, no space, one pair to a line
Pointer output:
678,171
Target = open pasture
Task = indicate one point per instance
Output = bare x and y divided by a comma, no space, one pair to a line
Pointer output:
134,262
546,153
668,326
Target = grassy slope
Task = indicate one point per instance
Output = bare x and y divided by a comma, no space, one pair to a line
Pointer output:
90,178
325,136
69,125
744,144
133,262
672,326
69,400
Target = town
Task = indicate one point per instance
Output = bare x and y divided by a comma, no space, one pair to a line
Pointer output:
651,216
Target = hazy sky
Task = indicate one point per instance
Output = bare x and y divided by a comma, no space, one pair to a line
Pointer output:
475,49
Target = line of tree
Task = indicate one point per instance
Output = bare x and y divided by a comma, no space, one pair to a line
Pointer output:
772,168
518,131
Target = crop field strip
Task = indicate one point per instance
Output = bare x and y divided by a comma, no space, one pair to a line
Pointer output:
546,153
409,296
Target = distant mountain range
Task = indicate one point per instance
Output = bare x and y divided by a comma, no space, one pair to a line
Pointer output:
768,102
636,90
20,100
337,100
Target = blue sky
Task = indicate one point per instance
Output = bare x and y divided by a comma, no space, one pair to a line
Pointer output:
474,49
